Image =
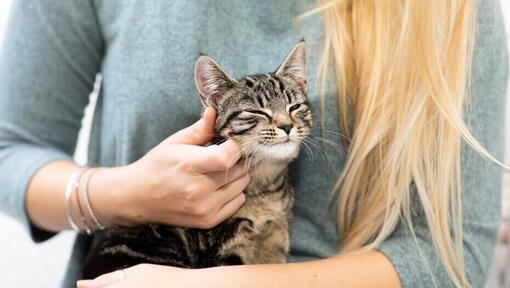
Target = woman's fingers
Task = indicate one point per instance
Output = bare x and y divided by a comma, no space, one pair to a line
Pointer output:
214,209
194,181
103,280
205,159
213,158
221,178
230,191
230,208
199,133
117,278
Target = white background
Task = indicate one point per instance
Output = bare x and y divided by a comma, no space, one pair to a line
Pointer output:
24,264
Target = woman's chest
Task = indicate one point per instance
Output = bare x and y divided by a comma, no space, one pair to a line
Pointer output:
148,90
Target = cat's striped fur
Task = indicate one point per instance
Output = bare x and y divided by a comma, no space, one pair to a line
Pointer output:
268,115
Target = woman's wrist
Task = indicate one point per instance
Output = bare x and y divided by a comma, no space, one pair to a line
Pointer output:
109,193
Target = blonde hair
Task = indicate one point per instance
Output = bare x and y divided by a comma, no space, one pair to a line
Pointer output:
403,71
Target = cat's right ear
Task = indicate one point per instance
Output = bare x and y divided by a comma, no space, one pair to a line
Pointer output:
212,82
294,66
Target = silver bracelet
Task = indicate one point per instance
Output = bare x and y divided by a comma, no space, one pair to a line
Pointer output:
87,201
68,192
83,218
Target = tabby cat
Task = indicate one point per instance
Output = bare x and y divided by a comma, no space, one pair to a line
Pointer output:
268,115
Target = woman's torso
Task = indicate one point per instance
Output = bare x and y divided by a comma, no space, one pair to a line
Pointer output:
148,90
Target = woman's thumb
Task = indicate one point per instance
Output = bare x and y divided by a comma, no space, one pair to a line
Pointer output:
199,133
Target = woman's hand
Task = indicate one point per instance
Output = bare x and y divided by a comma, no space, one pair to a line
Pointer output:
147,276
179,182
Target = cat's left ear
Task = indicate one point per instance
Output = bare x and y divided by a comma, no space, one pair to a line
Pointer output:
212,82
294,66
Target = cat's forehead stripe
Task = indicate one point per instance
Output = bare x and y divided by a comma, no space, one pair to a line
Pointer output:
259,100
287,94
280,84
263,88
266,95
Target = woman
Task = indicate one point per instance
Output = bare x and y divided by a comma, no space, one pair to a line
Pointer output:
418,208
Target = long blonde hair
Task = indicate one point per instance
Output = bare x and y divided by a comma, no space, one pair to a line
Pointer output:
402,70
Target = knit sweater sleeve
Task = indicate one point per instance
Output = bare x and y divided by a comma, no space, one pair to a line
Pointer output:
48,62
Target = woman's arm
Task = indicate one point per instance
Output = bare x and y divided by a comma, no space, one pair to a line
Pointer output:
45,203
179,183
48,63
367,269
53,50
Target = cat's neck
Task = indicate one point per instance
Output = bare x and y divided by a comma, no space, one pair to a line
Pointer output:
264,173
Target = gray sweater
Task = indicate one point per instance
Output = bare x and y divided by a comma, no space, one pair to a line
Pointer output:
146,51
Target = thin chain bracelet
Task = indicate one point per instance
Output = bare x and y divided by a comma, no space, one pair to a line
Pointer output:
84,220
87,201
67,195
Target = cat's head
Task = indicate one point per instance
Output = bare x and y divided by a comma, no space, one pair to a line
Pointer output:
268,115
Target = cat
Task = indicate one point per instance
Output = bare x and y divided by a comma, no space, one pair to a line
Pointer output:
269,116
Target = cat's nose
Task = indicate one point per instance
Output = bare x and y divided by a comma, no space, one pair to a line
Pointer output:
286,127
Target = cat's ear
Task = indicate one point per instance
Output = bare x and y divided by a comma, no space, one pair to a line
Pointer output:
294,66
212,82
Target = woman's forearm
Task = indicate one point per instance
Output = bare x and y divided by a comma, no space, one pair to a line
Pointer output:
179,182
45,203
367,269
45,200
362,270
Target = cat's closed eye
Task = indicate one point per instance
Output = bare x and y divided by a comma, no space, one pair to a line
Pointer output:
260,113
294,107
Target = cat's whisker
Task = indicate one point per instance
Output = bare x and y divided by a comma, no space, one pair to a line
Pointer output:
317,146
336,146
308,151
253,156
258,155
339,148
338,133
249,152
321,145
247,160
307,148
251,160
313,146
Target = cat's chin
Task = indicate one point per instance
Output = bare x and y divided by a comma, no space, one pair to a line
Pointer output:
285,151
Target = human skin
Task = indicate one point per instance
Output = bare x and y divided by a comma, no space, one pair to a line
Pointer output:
361,270
179,182
120,198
